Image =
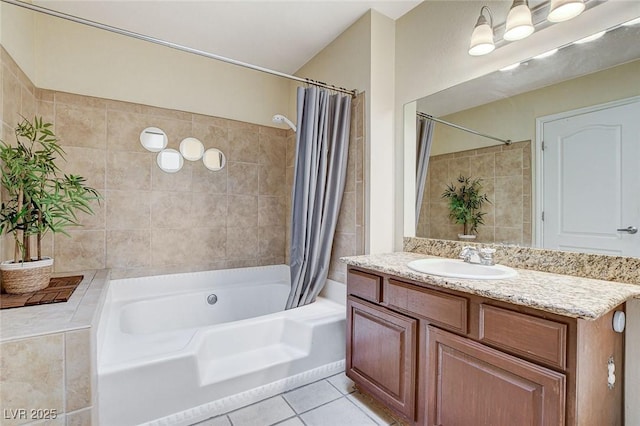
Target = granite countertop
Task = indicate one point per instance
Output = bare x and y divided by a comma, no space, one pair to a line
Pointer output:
80,311
566,295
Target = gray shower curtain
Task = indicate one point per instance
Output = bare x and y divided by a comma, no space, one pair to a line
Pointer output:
423,148
322,146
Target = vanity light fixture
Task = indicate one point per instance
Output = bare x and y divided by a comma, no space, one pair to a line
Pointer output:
510,67
482,36
546,54
592,37
563,10
519,22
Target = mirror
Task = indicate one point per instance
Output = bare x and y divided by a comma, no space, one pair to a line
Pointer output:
510,104
153,139
191,149
214,159
169,160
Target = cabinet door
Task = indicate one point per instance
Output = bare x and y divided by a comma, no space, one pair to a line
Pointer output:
381,354
471,384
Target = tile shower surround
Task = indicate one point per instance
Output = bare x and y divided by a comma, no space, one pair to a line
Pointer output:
151,222
506,179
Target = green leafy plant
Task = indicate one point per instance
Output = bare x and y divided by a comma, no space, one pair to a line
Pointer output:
37,197
465,203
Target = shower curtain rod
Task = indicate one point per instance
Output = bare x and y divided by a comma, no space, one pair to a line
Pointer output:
176,46
429,117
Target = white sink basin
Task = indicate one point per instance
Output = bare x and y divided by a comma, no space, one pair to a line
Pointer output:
457,268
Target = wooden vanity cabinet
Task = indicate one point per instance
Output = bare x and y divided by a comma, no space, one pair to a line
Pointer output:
444,358
471,384
382,354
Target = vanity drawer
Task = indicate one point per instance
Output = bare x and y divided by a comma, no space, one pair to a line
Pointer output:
534,338
363,285
439,308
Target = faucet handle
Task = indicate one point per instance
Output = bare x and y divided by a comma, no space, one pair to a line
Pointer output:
467,253
486,256
464,253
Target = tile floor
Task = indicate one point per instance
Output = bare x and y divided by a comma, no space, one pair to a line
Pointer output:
329,402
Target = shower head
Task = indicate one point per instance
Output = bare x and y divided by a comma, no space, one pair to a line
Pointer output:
279,118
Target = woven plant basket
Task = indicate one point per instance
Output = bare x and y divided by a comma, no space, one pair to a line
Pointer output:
26,277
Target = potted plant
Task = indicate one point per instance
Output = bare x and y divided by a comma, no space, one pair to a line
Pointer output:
36,198
465,203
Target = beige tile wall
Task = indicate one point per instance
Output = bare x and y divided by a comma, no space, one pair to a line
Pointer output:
155,222
50,372
151,222
506,177
17,98
18,95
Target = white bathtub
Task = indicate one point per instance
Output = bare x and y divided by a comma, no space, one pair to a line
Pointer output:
167,356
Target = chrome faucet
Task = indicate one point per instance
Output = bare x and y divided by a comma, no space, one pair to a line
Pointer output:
483,256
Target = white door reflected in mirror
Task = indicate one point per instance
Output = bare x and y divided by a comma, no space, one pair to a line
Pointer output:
191,149
170,160
153,139
214,159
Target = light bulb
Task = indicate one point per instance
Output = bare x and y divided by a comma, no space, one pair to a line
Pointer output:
519,24
563,10
482,36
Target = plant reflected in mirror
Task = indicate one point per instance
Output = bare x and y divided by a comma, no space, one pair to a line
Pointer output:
465,203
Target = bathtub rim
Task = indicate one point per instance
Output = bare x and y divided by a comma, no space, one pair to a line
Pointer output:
122,289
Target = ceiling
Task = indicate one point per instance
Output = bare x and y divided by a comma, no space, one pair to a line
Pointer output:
281,35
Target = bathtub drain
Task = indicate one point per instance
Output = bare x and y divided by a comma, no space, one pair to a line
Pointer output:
212,299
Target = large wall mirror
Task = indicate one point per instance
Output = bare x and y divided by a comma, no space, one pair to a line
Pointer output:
584,102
